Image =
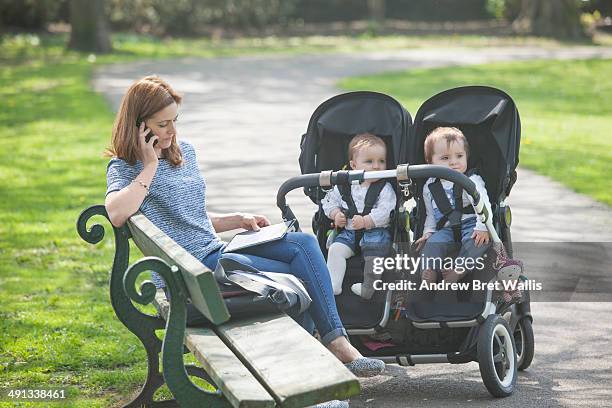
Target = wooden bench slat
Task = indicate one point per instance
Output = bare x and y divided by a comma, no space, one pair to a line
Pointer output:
200,281
293,366
227,371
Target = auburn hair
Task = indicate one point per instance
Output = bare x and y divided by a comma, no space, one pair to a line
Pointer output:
142,100
363,140
450,134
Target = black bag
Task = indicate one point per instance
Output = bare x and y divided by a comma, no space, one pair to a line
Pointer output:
248,291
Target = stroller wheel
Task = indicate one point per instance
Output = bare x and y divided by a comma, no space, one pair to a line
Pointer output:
497,357
524,342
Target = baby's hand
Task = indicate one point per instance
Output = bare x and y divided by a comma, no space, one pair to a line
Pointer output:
480,237
421,241
358,222
340,220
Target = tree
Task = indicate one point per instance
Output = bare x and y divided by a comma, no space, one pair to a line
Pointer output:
550,18
89,28
376,10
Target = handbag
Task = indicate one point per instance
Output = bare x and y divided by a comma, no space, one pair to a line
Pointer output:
248,291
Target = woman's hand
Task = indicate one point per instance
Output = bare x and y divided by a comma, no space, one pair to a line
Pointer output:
421,241
480,237
147,152
253,222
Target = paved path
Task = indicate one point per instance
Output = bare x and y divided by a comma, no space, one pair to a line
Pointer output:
245,117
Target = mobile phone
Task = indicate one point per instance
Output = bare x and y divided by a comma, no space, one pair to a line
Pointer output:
147,137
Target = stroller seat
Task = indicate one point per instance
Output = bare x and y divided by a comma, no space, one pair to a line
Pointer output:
358,312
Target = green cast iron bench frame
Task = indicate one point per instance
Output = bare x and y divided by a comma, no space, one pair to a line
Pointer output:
262,361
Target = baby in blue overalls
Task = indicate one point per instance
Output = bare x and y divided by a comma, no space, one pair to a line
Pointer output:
366,152
447,146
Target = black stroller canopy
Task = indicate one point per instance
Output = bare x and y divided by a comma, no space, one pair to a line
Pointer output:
331,127
489,119
487,116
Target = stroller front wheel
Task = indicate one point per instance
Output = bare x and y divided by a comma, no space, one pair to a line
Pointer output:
497,356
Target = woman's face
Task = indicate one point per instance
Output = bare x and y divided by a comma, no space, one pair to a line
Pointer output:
163,125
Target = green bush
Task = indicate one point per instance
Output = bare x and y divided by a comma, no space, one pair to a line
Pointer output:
193,17
30,14
186,17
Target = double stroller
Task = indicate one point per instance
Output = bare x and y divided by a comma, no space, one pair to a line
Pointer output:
399,326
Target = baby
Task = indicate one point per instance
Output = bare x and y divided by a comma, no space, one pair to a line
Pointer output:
363,225
447,146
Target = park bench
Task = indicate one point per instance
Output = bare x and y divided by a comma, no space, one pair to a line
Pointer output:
262,361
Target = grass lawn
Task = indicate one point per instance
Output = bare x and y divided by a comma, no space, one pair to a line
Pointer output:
565,107
57,327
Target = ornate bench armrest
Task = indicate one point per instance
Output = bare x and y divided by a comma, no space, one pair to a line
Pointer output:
184,390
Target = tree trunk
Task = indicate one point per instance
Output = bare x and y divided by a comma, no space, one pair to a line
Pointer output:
550,18
376,9
89,29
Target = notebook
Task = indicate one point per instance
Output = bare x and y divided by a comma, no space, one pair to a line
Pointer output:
266,234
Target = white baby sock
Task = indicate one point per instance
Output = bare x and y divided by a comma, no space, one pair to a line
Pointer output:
366,289
336,263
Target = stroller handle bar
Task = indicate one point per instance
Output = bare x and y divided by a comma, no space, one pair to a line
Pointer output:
403,173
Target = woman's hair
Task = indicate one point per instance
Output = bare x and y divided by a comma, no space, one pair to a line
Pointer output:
363,140
450,134
142,100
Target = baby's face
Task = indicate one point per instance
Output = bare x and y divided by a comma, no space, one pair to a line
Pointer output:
370,158
453,155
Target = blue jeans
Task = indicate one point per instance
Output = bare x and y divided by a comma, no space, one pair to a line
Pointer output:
442,242
297,254
376,241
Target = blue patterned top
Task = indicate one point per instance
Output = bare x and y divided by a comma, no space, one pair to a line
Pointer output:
176,203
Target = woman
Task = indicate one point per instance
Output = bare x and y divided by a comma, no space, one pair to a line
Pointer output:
152,172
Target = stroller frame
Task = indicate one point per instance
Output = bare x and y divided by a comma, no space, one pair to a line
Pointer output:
496,328
499,337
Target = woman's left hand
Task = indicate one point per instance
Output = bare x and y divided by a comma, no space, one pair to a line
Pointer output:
253,221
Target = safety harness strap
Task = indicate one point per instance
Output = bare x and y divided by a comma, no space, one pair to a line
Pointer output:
450,214
372,195
370,200
345,193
